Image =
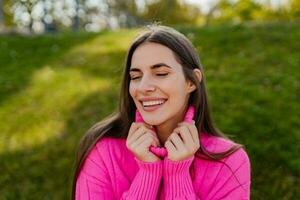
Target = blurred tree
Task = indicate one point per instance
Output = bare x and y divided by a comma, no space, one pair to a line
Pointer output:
96,15
1,14
171,12
213,6
43,15
6,11
22,11
245,9
295,8
128,13
76,24
238,11
251,10
227,13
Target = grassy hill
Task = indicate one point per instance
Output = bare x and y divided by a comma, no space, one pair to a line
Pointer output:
54,87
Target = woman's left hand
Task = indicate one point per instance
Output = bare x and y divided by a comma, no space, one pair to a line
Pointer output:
181,149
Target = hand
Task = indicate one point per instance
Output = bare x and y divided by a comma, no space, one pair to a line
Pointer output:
139,140
183,143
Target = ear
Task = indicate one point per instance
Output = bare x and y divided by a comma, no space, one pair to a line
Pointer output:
191,86
198,73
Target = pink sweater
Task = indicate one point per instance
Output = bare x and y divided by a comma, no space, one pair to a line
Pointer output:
112,172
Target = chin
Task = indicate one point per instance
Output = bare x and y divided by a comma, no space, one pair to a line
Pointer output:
153,122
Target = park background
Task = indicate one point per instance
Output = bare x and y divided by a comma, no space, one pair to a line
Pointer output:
60,73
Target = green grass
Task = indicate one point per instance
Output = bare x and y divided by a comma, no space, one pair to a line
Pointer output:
54,87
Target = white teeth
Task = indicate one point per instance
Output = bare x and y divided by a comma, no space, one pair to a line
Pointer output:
152,103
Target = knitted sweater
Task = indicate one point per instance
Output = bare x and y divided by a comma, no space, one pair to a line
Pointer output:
111,171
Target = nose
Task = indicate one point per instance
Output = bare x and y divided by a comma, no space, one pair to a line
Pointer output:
146,85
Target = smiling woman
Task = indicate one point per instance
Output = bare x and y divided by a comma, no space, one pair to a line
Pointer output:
162,143
159,85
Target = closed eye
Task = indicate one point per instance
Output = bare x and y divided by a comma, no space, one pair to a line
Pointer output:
137,77
165,74
133,78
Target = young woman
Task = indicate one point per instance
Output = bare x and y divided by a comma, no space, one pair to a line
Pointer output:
162,143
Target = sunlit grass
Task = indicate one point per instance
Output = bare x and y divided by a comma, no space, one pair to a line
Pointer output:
38,112
54,87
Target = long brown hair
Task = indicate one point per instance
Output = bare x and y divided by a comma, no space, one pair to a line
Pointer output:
117,124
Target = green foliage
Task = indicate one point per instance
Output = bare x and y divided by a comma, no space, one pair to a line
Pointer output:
228,11
54,87
237,11
8,18
171,12
295,8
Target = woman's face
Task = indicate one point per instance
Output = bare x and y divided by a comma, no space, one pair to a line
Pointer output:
157,84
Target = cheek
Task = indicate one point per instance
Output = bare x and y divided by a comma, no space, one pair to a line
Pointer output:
132,90
178,94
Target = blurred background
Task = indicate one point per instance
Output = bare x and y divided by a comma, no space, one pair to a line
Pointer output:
60,72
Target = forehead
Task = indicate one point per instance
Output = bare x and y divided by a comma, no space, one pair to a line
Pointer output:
149,54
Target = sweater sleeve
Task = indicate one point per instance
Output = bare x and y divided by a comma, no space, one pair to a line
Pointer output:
94,183
228,185
146,182
177,180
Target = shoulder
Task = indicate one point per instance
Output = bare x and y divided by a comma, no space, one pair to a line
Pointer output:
104,151
230,176
105,142
109,147
215,144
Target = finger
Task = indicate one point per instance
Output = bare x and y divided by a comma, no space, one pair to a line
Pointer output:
141,146
189,122
139,131
174,137
195,133
146,136
144,145
154,137
134,126
141,139
193,130
132,129
170,147
149,133
148,125
186,135
177,130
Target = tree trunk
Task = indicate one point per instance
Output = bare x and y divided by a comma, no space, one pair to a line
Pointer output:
210,13
76,17
1,15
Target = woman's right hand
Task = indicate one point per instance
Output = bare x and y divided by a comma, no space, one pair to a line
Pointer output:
139,140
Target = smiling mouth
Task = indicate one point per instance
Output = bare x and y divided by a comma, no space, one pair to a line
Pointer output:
153,103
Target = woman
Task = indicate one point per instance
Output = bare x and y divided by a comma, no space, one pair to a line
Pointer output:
147,150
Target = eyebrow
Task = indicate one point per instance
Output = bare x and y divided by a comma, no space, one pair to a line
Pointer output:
158,65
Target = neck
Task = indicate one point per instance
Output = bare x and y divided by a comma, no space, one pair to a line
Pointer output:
165,129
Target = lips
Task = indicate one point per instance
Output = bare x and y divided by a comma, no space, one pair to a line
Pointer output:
151,99
151,103
148,107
